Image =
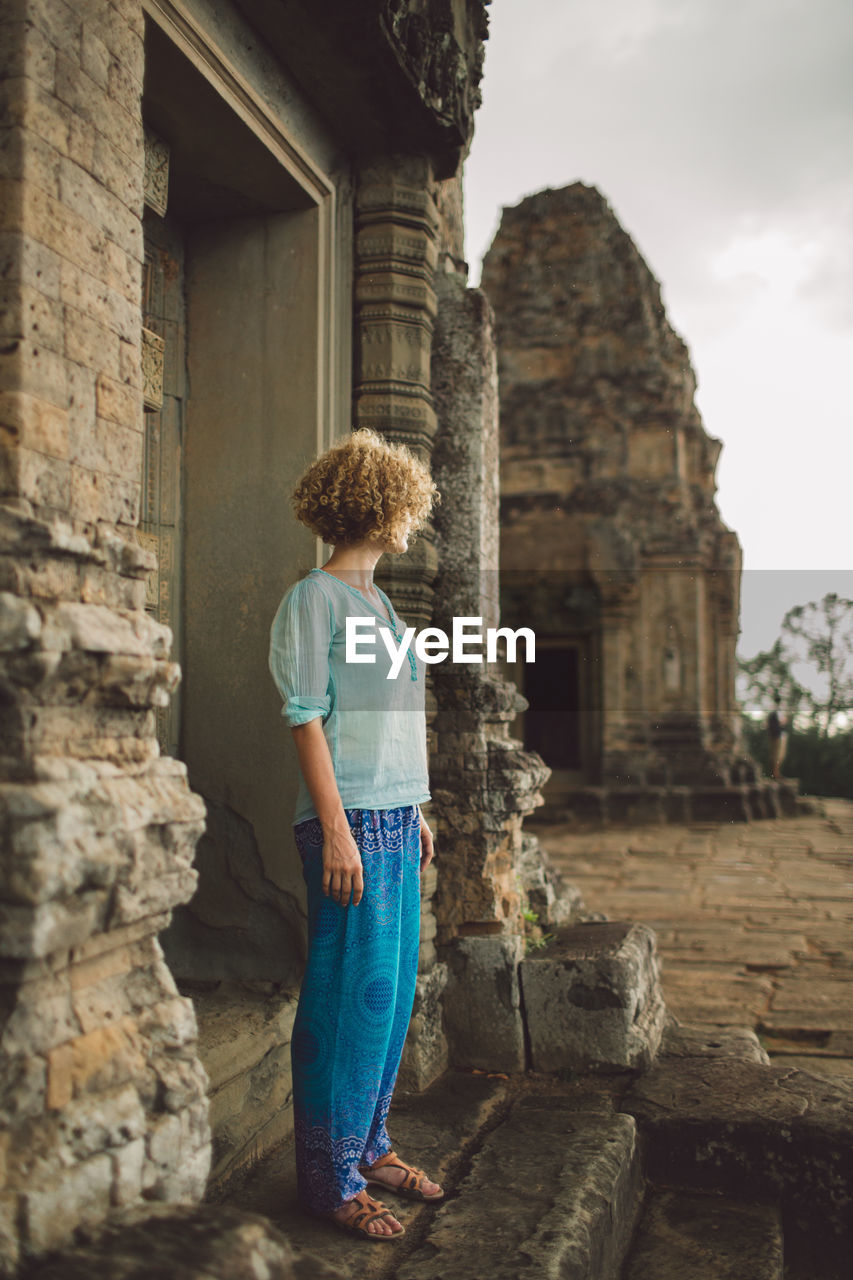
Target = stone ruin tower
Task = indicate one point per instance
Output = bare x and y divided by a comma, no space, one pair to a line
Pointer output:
612,547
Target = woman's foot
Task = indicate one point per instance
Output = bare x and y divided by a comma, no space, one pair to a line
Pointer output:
364,1216
392,1172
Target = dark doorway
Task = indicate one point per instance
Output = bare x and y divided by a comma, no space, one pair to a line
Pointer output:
552,724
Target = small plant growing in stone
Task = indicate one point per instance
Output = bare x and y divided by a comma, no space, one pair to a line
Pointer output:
534,938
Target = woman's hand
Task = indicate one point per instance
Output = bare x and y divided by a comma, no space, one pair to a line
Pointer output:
342,868
427,843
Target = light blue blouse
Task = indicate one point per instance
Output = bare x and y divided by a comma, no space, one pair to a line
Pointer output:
375,727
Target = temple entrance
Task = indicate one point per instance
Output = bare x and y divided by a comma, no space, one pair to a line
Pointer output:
247,335
563,686
561,722
552,723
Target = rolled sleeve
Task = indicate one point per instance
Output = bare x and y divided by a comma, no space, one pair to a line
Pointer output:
300,639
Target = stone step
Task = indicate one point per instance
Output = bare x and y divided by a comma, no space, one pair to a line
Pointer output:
592,999
435,1130
690,1235
761,1132
551,1192
244,1045
542,1178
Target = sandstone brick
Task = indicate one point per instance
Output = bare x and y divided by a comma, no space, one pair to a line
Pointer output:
96,946
25,260
42,1019
183,1081
95,1122
78,90
170,1024
120,173
41,319
130,364
60,1063
87,292
79,190
27,932
195,1125
107,1056
97,586
25,365
81,1195
9,1234
125,85
11,203
118,402
124,130
102,1007
20,623
24,156
28,105
98,630
90,343
131,23
58,21
187,1181
25,50
24,1087
127,1165
106,965
97,497
43,480
163,1141
81,142
94,56
81,409
36,424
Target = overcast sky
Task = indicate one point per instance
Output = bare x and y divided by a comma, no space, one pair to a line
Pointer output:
721,133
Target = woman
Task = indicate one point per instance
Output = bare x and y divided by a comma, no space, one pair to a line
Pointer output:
361,743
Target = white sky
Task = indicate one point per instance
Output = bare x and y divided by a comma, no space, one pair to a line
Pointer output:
721,133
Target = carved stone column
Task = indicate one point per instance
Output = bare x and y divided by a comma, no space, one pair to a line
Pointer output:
396,249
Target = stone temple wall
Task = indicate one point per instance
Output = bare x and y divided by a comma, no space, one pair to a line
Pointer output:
103,1093
612,546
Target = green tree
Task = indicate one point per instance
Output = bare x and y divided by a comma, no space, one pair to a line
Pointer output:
821,633
816,642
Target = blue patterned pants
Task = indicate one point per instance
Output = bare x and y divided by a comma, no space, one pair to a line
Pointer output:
355,1003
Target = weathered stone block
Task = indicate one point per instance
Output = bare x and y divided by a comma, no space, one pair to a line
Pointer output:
127,1165
23,1091
20,622
53,1210
27,931
769,1132
191,1241
592,999
482,1003
94,56
93,1123
425,1053
9,1233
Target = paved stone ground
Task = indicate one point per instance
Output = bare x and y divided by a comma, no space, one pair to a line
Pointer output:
754,921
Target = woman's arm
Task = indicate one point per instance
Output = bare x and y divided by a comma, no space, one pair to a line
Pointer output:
342,869
427,843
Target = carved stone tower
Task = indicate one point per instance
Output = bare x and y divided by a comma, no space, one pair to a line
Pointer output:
612,545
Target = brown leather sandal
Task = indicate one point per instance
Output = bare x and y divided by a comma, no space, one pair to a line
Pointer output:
359,1221
410,1185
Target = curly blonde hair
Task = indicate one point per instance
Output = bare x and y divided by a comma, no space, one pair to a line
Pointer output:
364,487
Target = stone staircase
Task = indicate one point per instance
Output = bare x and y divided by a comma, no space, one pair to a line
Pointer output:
630,1148
609,1177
